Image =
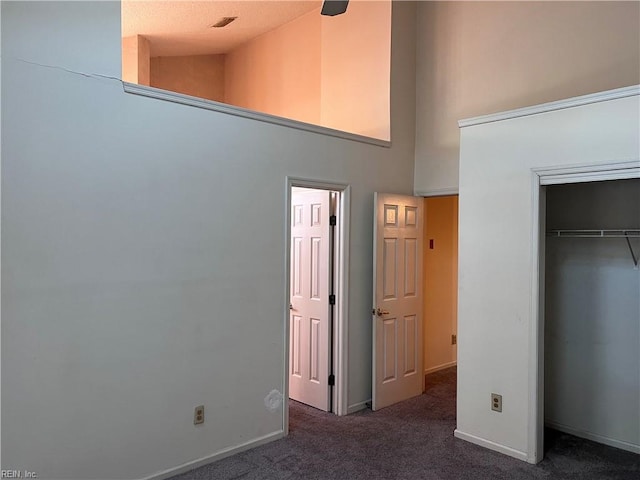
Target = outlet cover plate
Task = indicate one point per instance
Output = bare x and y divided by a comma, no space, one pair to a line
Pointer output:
198,415
496,402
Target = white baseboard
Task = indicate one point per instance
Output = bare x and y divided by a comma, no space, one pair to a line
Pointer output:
440,367
185,467
356,407
630,447
491,445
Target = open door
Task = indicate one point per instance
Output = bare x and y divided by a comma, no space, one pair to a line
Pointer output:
397,293
310,309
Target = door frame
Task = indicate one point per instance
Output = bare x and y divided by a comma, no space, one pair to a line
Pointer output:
341,269
541,178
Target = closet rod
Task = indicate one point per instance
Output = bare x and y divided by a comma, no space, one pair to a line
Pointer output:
626,233
621,233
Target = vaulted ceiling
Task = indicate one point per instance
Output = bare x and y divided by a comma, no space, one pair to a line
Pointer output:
185,27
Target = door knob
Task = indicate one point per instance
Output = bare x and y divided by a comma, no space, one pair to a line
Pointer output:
379,312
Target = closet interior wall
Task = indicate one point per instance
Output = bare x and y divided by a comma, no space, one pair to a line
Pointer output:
592,314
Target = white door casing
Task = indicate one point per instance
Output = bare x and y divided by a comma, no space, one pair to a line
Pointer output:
310,309
397,293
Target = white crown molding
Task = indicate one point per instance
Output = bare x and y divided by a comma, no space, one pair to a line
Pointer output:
551,106
588,172
183,99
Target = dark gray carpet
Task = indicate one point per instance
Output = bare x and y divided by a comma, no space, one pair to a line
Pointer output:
409,441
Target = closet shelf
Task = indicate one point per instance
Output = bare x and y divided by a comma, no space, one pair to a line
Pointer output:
620,233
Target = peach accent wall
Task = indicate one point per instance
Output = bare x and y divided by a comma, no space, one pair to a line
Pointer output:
135,60
356,52
440,281
329,71
279,72
197,75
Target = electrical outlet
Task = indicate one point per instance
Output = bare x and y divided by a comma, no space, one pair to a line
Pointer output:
454,339
198,415
496,402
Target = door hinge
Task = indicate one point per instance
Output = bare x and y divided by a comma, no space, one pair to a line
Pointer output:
332,299
333,220
332,380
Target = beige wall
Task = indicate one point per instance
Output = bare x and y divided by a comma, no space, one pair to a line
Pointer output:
198,75
476,58
355,69
279,72
135,60
440,281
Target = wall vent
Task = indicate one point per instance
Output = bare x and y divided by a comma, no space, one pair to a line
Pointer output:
223,22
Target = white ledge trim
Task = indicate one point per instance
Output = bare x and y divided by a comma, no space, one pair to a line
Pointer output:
551,106
437,192
183,99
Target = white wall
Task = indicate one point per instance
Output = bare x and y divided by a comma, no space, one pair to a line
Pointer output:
496,327
476,58
143,252
592,315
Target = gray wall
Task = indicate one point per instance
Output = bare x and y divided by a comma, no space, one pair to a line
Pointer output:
592,317
143,252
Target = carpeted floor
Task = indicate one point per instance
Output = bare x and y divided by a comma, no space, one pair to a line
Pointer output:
412,440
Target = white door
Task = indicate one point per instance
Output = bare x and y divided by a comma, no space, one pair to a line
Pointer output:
310,309
397,293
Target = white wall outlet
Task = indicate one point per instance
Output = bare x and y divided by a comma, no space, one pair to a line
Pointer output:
198,415
496,402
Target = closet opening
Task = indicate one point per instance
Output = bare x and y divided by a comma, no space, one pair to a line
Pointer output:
589,297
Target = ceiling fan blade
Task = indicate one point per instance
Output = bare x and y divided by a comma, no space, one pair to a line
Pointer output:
334,7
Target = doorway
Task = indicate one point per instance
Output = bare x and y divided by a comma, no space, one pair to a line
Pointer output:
316,298
312,297
440,282
543,328
415,262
